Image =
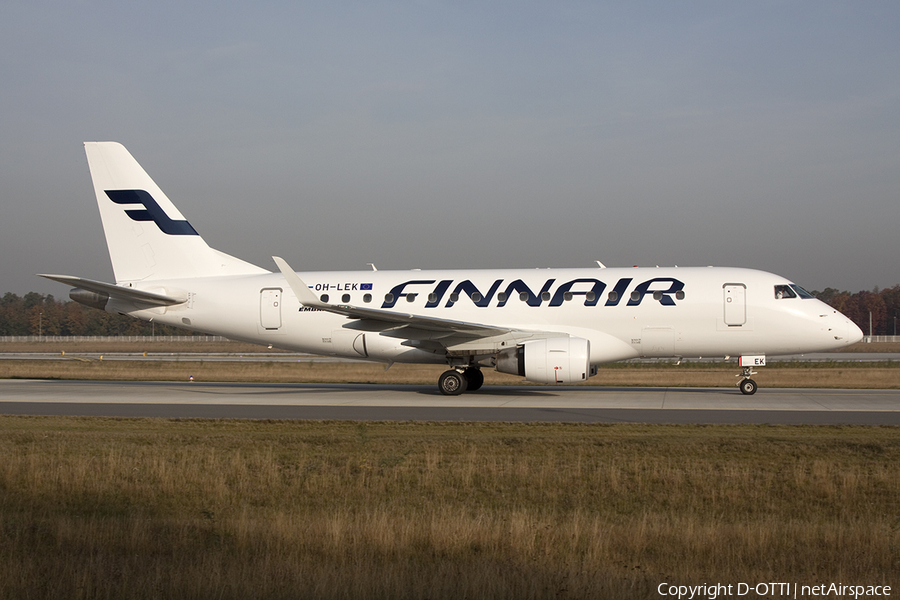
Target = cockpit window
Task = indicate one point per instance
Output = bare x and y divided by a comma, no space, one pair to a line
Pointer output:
801,292
784,291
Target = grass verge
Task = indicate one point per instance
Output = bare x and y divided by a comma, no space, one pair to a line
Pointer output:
145,508
161,344
815,375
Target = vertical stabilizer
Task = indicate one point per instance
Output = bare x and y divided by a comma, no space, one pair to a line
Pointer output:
148,238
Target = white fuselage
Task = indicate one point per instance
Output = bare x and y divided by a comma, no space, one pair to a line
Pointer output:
624,313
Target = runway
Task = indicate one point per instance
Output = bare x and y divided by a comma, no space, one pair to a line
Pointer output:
424,403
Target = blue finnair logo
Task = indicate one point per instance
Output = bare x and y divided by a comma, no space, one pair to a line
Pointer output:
665,290
152,211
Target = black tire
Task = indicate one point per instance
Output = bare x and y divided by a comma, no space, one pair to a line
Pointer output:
474,377
452,383
748,387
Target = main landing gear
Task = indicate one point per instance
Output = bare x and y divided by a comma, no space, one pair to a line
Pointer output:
456,381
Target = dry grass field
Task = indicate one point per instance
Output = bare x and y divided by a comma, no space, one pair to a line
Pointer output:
87,365
842,375
106,508
162,345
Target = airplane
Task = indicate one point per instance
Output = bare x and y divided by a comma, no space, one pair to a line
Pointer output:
550,326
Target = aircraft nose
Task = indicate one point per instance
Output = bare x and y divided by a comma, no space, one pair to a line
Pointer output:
855,333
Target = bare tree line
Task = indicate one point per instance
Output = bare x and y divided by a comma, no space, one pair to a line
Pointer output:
36,314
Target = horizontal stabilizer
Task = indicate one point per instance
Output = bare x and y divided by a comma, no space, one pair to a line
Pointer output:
116,291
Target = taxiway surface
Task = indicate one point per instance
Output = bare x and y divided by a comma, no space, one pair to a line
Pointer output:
424,403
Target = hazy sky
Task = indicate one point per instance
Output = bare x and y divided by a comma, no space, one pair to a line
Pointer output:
463,134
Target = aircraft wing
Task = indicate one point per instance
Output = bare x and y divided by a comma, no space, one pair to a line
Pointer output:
373,318
450,334
117,291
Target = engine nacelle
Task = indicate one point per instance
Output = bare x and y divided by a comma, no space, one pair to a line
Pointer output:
552,360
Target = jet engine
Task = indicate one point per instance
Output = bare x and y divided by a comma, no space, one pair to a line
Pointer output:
552,360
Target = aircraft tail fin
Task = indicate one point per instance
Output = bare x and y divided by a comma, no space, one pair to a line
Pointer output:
148,238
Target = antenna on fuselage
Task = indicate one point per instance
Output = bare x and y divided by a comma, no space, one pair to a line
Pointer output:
600,264
373,266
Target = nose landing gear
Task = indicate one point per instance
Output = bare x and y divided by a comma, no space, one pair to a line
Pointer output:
747,385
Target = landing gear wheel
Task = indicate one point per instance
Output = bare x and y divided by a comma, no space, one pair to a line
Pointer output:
748,387
474,377
452,383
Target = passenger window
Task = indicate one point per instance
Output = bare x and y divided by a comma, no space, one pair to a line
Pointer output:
784,291
345,298
367,298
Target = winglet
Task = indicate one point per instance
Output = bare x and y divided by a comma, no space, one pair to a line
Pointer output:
301,290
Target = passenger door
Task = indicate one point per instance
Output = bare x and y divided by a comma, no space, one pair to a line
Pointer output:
735,304
270,308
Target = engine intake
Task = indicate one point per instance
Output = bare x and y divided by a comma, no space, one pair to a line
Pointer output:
552,360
